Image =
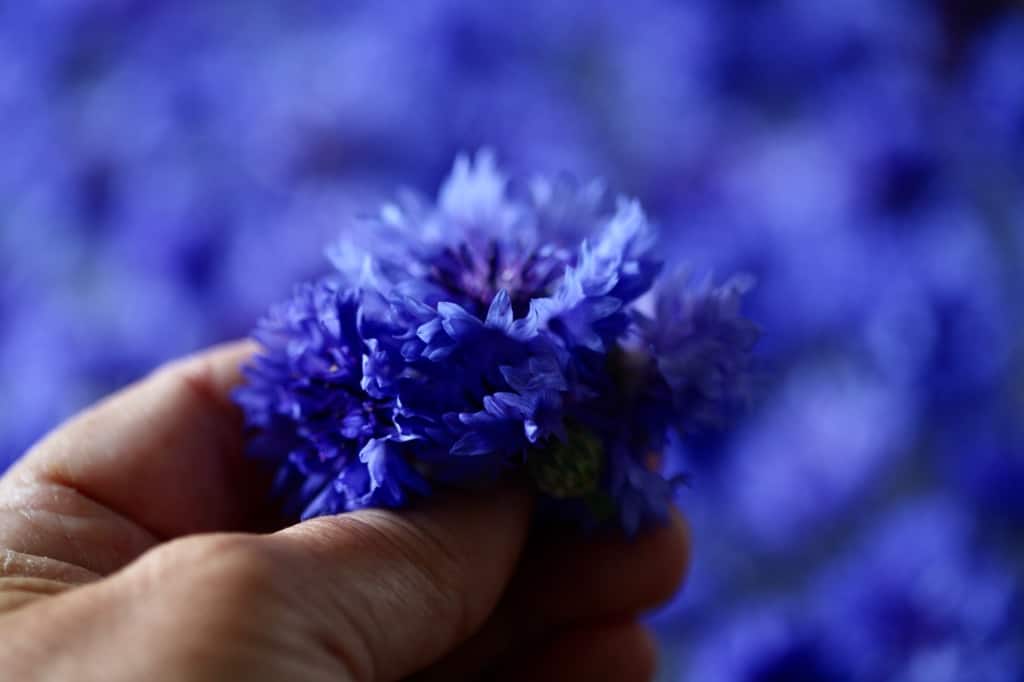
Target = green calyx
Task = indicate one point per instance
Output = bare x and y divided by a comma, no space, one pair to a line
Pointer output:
570,469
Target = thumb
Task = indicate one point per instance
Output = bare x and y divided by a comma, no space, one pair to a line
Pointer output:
392,593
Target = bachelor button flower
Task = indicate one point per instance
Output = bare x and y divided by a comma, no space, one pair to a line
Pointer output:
495,330
334,443
919,598
765,643
915,598
701,345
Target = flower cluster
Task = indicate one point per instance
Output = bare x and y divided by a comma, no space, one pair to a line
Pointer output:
511,326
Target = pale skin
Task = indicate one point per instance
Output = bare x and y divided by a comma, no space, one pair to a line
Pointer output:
134,546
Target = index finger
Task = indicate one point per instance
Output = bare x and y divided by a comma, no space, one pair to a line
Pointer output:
165,454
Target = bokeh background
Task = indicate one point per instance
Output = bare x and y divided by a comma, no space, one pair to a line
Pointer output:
169,169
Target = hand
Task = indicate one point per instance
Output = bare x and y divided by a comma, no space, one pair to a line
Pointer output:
129,551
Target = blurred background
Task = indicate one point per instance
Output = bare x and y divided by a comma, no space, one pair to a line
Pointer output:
169,169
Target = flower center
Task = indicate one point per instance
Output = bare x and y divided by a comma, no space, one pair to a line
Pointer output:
476,271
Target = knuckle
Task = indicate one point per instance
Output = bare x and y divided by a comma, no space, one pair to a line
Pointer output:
224,568
398,539
239,562
196,379
431,566
206,590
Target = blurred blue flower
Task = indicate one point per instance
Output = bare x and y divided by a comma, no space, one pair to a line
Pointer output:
701,345
981,456
914,599
807,457
765,643
918,599
994,94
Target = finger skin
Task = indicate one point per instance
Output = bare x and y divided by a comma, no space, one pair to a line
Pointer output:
206,607
163,452
616,652
393,593
160,459
567,582
582,578
368,597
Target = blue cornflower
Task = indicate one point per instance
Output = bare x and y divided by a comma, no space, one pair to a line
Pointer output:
916,597
498,329
765,643
923,596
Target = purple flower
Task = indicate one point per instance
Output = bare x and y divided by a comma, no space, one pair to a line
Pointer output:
915,598
981,456
993,97
809,455
490,331
701,345
765,643
919,598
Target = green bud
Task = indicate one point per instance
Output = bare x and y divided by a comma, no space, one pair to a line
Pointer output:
570,469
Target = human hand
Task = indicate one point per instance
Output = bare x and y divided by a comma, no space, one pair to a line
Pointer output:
131,547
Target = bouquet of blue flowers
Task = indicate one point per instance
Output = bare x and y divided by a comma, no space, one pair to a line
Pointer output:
512,326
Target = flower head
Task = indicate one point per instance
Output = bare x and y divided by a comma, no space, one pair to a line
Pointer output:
488,332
